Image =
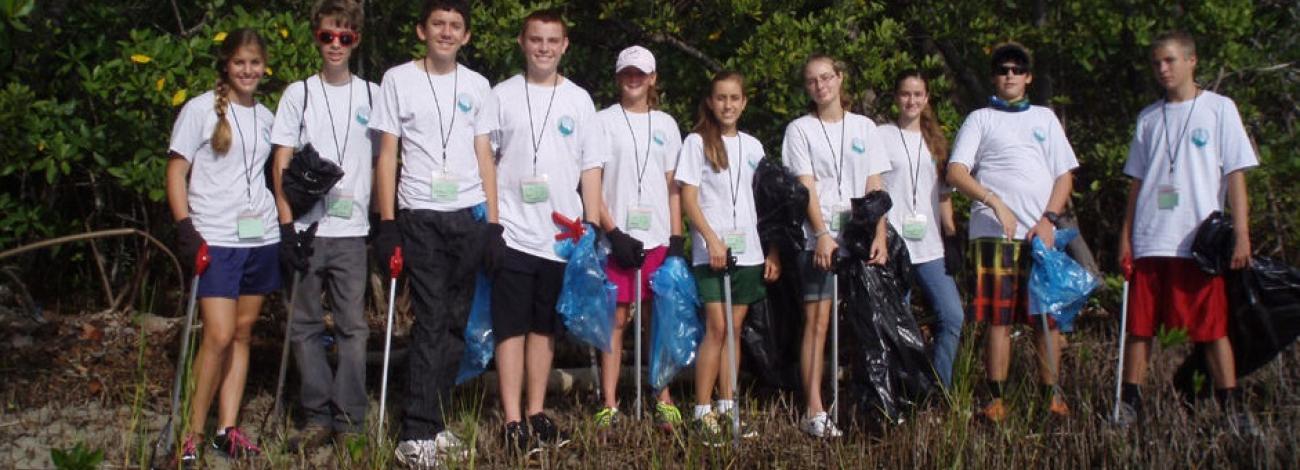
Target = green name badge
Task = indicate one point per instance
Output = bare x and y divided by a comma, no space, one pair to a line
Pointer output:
250,226
1167,197
914,226
340,206
535,190
735,242
445,188
839,217
638,218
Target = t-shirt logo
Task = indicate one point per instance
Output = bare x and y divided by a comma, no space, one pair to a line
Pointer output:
1200,137
363,115
566,126
658,137
1040,135
753,162
464,102
858,145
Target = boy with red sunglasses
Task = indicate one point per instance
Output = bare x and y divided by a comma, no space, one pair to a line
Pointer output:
441,114
329,111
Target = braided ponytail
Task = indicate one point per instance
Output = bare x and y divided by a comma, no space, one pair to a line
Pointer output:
221,135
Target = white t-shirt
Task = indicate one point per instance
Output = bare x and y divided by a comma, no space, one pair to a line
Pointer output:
629,168
727,196
839,162
337,118
568,142
912,161
1213,145
224,187
462,108
1018,155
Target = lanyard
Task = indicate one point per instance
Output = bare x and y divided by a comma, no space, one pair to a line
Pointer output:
839,160
735,190
248,167
340,150
640,165
437,106
914,170
536,140
1171,150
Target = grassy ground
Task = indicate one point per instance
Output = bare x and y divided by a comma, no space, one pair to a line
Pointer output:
944,435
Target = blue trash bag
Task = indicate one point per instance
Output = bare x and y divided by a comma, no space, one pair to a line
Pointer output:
479,342
587,298
1058,285
675,329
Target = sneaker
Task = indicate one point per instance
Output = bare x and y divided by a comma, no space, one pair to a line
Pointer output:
189,456
311,437
819,425
417,454
1242,425
1128,416
543,429
606,417
994,411
517,440
667,416
1058,408
709,430
449,446
234,444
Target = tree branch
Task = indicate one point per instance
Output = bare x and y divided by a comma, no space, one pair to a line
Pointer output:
714,65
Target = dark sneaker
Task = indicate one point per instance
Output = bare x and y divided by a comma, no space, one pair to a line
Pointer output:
708,430
311,437
517,440
1128,416
189,455
234,444
1242,425
542,428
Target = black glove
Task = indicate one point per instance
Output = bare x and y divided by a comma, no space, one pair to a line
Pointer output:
494,248
628,252
295,247
188,242
677,246
387,239
954,260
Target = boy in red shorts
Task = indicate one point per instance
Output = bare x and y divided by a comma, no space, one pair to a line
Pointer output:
1187,147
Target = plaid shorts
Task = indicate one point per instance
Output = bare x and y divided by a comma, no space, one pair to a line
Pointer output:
1000,284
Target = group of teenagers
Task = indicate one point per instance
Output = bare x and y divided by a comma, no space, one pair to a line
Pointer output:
483,169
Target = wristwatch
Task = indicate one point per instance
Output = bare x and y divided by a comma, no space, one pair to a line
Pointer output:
1052,217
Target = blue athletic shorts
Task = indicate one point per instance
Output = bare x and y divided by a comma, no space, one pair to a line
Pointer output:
241,271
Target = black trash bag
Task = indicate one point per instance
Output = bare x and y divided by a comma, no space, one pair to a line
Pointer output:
1264,319
308,179
891,371
772,333
1213,244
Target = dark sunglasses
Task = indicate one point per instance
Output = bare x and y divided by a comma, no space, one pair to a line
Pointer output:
1010,70
346,38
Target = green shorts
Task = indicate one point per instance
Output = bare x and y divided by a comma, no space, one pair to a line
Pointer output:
746,284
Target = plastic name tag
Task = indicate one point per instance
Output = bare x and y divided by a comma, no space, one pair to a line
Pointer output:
638,218
250,226
445,188
340,205
735,242
536,189
840,214
1167,197
914,226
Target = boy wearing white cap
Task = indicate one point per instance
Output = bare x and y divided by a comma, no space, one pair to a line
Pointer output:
641,216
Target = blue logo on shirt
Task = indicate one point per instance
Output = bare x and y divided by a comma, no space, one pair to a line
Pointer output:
363,115
464,102
1200,137
753,162
658,137
1040,135
859,146
566,126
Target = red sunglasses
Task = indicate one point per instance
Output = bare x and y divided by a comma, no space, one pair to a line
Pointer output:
346,38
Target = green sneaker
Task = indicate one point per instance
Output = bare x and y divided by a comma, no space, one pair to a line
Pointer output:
667,416
709,431
606,417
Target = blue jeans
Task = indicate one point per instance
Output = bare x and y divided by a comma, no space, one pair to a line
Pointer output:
941,291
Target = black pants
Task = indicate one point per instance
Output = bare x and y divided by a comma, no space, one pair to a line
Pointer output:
435,244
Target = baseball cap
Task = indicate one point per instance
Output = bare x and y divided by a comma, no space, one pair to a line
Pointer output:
635,56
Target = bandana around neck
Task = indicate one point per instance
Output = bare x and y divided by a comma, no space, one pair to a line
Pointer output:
1016,106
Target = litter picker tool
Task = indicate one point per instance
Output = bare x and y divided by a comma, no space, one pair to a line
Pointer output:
835,341
165,437
277,406
731,348
394,270
636,315
1119,363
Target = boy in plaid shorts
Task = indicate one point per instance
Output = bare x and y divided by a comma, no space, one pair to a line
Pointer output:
1014,161
1187,149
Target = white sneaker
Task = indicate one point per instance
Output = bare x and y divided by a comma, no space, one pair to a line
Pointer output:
831,429
819,425
450,447
432,453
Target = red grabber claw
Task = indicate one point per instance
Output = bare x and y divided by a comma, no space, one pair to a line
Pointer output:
201,259
395,263
572,229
